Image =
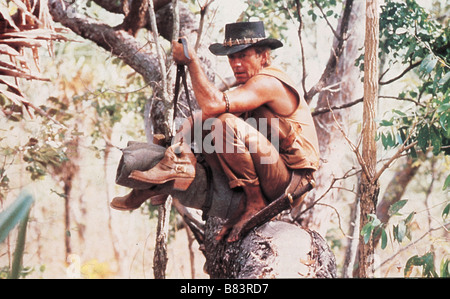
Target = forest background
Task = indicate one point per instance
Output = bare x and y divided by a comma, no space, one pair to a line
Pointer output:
61,134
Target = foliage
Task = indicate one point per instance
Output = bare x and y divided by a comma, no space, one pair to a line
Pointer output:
401,230
410,36
427,263
281,12
24,28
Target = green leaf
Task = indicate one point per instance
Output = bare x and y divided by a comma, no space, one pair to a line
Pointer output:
384,140
444,79
410,263
436,140
428,64
443,107
423,138
376,222
395,207
13,214
383,239
16,266
427,263
400,112
367,231
444,121
446,211
386,123
445,268
409,218
446,183
401,231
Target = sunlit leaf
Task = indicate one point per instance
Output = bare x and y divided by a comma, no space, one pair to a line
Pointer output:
444,79
395,207
426,261
446,211
446,183
428,63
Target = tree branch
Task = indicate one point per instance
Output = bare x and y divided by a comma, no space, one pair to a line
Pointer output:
118,43
410,67
329,109
335,54
117,6
302,49
328,22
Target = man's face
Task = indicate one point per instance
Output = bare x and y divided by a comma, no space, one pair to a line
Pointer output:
245,64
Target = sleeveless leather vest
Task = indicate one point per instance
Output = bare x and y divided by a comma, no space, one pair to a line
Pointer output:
298,143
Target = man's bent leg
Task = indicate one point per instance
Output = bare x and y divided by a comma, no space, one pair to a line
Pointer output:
253,164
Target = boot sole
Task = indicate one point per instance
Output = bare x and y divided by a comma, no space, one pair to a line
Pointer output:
122,208
180,184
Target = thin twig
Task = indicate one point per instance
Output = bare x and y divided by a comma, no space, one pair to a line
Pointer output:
201,27
339,220
404,147
299,32
392,159
162,64
414,243
127,92
336,35
403,99
410,67
343,106
352,146
334,180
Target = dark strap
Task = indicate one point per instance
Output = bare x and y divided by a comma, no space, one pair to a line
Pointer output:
209,184
181,76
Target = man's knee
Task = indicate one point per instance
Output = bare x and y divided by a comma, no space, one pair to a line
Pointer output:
225,131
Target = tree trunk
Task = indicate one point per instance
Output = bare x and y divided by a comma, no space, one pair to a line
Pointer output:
369,188
67,243
345,87
276,249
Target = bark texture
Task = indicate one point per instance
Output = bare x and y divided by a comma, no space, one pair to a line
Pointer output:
277,249
369,185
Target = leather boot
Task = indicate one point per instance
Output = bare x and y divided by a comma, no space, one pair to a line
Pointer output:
136,198
178,164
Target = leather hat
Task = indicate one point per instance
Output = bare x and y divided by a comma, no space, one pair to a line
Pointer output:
242,35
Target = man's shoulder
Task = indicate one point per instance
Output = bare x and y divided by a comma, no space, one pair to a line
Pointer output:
272,71
263,81
280,75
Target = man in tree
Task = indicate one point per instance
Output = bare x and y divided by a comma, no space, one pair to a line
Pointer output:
263,169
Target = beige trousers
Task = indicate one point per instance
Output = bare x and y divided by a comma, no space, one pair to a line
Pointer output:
247,157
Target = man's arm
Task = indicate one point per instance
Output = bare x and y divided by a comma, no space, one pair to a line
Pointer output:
257,91
209,98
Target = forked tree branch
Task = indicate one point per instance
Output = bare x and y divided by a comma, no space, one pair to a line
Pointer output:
335,53
119,43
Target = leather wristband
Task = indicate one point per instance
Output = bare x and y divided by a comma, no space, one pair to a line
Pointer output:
227,102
